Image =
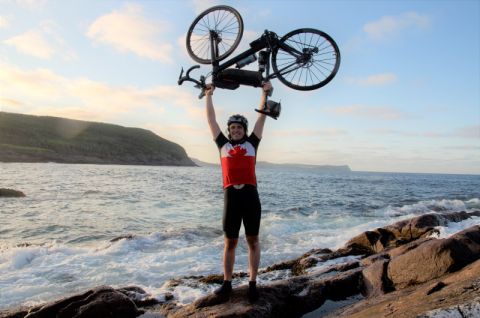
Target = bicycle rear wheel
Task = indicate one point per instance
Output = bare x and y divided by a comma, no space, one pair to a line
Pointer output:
309,60
224,23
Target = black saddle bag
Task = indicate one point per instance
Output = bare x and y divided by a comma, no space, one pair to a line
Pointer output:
232,78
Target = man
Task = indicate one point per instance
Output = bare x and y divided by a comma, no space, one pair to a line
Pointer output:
241,201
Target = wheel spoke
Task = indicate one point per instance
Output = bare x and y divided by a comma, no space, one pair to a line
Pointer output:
226,22
308,59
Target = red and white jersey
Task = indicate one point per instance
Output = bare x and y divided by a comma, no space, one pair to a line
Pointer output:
238,161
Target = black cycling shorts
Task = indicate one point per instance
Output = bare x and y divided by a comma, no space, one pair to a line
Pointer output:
241,204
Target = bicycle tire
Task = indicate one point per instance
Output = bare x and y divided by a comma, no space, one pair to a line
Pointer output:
226,22
315,68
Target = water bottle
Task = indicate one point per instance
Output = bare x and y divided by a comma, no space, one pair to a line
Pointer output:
249,59
262,60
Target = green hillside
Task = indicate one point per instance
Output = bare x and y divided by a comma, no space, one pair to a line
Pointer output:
25,138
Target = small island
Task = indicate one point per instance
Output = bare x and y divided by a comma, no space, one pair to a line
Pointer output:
11,193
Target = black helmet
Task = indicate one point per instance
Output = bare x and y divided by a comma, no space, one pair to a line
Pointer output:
239,119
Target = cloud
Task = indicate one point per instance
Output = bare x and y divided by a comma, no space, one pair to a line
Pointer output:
32,43
389,26
201,5
374,80
31,4
464,132
42,91
10,102
43,42
4,22
309,132
464,147
468,132
389,131
128,30
383,113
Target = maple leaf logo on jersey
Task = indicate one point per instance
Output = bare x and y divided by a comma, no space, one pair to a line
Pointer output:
237,151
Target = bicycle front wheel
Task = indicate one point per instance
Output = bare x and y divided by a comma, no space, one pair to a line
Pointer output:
306,59
224,24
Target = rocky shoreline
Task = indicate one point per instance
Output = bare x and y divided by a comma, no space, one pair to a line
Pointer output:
401,270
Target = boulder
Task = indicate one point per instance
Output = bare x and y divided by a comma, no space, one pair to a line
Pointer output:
375,280
288,298
10,193
101,302
434,258
441,297
402,255
402,232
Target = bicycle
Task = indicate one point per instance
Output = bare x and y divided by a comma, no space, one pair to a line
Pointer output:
303,59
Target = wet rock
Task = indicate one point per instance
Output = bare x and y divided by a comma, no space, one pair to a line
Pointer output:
139,296
288,298
10,193
122,237
397,234
401,268
300,265
375,280
469,309
434,258
436,287
217,279
461,290
101,302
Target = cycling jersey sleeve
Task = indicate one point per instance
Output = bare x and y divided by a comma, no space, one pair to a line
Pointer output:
254,140
221,140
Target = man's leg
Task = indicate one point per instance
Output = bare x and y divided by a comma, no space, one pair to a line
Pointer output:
228,262
229,257
253,256
253,262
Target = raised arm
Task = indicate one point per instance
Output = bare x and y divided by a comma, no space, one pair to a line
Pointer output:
258,129
212,120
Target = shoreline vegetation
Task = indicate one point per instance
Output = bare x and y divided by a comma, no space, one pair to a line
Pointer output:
27,138
400,270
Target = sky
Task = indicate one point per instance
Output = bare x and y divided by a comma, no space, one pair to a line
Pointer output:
406,97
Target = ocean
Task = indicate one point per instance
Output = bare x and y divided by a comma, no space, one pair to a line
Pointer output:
82,226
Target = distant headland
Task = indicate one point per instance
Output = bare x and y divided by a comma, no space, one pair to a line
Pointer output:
264,164
27,138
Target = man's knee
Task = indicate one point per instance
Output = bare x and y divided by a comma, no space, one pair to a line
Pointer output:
252,241
231,244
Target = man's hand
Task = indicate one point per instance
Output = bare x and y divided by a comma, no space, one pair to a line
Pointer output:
209,88
267,88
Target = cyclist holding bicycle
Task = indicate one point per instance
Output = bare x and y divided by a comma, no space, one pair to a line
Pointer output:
241,201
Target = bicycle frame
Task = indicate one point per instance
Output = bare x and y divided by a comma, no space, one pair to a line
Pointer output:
223,76
269,40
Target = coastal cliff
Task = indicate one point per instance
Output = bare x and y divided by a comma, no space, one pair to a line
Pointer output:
401,270
26,138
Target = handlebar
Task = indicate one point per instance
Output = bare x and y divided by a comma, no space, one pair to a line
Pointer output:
198,83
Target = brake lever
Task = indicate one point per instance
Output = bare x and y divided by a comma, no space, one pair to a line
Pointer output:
198,84
180,79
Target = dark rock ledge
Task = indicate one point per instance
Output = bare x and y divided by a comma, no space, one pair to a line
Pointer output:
400,270
10,193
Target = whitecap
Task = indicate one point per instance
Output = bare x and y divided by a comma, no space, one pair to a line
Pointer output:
428,206
473,203
455,227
